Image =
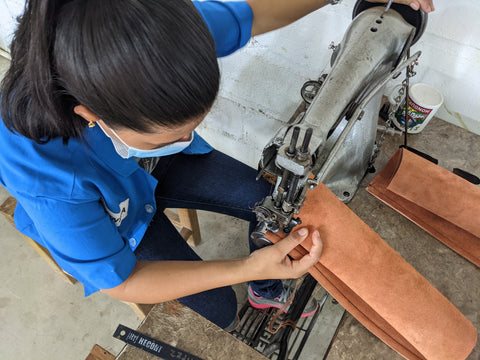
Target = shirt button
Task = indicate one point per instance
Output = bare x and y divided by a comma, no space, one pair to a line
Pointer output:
132,242
149,208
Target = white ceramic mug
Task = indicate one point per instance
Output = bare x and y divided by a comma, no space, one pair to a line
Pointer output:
424,101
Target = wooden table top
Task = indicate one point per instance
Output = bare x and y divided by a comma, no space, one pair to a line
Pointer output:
177,325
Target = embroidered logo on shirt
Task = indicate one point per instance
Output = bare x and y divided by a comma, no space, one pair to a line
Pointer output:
117,218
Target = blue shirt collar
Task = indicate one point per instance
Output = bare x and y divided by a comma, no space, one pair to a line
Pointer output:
102,146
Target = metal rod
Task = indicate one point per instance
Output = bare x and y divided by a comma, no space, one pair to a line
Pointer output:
295,310
301,298
281,188
293,142
299,331
302,155
293,189
310,326
260,329
389,4
306,140
284,344
249,327
406,100
262,170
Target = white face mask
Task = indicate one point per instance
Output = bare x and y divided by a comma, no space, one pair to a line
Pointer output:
126,151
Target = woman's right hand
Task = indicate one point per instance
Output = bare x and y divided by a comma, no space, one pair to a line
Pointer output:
152,282
425,5
272,262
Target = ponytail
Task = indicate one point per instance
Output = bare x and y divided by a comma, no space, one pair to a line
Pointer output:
135,63
32,102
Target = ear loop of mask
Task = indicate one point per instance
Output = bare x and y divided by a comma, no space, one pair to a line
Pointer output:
120,147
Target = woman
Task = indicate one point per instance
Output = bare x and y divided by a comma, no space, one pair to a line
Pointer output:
99,109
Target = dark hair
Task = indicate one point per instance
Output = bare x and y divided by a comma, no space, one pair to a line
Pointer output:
134,63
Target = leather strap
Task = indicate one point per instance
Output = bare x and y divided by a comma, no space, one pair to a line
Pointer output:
378,287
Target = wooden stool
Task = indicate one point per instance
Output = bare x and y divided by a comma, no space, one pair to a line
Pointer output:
185,220
99,353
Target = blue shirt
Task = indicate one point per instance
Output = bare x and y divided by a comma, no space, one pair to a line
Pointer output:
83,202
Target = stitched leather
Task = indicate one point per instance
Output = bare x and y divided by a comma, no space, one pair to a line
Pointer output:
378,287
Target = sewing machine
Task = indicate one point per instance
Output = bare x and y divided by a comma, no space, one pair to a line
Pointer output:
332,138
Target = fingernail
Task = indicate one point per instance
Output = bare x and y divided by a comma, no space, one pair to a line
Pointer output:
414,6
303,232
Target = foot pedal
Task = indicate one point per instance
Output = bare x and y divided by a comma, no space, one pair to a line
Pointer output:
254,323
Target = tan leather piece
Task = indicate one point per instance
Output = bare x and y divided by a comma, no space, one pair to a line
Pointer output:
438,201
377,286
355,305
438,191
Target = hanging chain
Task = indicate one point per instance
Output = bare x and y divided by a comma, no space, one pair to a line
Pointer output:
393,108
410,73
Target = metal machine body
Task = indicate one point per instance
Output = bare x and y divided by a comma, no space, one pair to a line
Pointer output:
333,140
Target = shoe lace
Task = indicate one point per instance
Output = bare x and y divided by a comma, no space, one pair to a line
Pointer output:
285,295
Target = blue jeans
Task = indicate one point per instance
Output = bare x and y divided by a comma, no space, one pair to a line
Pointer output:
212,182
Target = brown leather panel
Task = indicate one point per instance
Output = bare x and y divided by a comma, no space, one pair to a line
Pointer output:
438,191
379,287
457,238
355,305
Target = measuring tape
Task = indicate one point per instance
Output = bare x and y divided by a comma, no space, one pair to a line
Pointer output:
151,345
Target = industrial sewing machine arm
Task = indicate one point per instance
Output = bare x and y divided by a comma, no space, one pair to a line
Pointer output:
333,140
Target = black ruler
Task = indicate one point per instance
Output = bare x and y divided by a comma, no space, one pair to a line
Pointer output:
151,345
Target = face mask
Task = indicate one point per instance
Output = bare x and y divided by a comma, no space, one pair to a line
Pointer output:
126,151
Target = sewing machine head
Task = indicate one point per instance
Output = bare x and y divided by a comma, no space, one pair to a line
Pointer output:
331,139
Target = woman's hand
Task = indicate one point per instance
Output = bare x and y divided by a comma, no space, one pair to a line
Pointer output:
425,5
272,262
152,282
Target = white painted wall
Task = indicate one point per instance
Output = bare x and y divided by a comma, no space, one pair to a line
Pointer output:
9,11
451,60
261,83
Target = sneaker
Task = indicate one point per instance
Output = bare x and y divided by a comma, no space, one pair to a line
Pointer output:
233,325
259,302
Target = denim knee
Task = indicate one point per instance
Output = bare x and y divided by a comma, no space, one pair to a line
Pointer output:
217,305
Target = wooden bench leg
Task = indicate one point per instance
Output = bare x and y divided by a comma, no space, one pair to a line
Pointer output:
7,209
187,221
45,254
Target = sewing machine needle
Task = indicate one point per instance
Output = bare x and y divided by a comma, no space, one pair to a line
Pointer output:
389,4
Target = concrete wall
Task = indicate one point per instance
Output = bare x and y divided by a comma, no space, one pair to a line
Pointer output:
9,10
451,60
261,83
